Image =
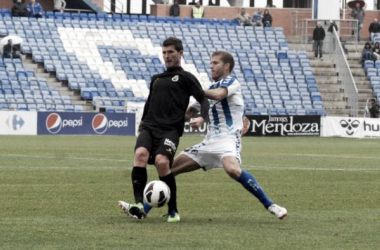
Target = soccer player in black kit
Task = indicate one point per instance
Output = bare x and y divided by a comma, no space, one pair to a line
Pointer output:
161,127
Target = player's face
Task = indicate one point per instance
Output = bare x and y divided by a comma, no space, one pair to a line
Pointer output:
171,56
219,69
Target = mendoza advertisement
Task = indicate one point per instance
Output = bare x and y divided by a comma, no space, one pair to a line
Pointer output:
350,127
284,125
70,123
18,123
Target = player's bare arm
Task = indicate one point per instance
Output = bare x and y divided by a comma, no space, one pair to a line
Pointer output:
246,124
196,123
216,94
191,112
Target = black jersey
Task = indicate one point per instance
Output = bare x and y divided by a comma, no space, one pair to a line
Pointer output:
168,99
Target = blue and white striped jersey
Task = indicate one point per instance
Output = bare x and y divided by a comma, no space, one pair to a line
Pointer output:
225,115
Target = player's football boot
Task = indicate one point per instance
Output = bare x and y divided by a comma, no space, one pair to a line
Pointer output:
280,212
134,210
173,217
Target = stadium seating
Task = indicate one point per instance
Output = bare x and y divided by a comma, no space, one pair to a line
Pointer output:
20,89
372,71
113,57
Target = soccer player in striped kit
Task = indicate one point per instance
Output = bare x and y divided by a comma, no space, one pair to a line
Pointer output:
222,144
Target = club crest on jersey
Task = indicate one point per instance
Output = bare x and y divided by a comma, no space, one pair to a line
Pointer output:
175,78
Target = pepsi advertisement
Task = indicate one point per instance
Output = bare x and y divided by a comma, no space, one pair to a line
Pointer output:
67,123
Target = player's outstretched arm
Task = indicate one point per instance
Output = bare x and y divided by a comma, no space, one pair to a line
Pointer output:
216,94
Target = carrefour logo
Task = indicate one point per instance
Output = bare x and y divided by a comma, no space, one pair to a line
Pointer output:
54,123
15,122
100,123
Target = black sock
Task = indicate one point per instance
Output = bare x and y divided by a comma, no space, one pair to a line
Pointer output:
139,179
170,181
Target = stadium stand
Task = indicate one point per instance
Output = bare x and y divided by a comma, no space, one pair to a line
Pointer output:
111,58
372,71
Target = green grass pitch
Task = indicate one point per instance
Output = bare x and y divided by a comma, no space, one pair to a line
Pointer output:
59,192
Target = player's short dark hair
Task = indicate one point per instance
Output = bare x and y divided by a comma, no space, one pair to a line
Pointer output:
173,41
226,58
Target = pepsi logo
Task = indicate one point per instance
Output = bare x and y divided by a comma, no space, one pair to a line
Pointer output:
100,124
53,123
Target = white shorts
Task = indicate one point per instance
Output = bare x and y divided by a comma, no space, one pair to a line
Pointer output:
210,152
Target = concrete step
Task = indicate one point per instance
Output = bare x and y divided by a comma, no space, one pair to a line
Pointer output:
354,64
358,72
332,96
80,102
54,84
326,80
30,65
88,108
326,57
359,83
338,112
364,88
43,74
359,43
325,87
300,46
335,104
360,78
322,64
324,72
354,56
365,96
353,47
362,103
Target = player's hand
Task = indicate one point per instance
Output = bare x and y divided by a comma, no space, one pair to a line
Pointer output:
246,124
196,123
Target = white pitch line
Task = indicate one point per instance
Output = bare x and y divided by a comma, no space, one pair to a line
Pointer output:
247,167
266,168
120,160
324,155
64,158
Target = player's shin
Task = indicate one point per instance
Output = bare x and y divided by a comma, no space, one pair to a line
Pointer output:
139,179
249,182
170,181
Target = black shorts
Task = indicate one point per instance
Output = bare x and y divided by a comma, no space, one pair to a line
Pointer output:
158,142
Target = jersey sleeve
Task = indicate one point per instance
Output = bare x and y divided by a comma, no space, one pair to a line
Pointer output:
231,84
195,88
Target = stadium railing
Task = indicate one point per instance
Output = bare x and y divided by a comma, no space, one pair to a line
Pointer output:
345,75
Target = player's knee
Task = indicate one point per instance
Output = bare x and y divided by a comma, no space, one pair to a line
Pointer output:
233,172
141,157
162,164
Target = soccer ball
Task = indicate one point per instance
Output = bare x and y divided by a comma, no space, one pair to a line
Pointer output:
156,193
